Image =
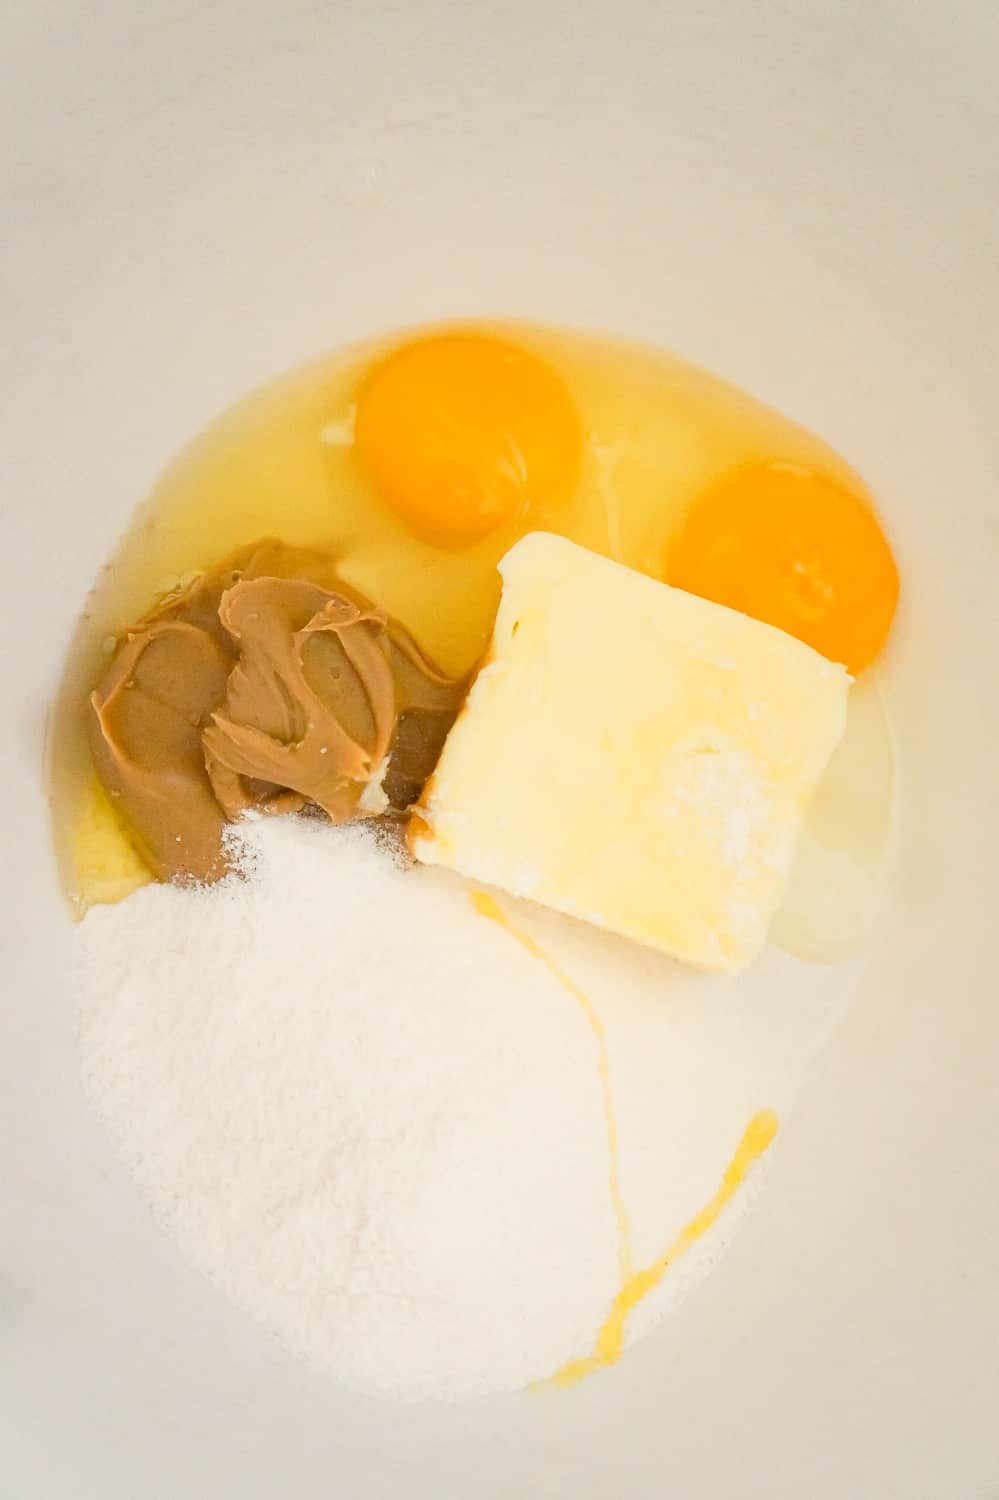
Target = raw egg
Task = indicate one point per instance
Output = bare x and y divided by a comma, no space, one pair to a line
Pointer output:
462,434
792,548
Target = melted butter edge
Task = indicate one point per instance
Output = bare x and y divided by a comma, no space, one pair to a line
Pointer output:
635,1285
609,1345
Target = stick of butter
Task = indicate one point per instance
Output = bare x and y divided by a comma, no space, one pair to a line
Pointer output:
633,756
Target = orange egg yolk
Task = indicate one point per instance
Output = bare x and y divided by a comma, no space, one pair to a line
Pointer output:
796,551
463,433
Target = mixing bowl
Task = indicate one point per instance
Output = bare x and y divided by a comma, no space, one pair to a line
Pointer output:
802,197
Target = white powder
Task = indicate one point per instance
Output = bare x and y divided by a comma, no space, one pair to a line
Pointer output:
376,1120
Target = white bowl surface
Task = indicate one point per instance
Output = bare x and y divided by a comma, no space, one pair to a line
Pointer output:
802,197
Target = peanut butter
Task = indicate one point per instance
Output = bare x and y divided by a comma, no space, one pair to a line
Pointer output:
267,686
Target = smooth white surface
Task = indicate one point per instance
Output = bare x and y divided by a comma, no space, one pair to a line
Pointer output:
802,197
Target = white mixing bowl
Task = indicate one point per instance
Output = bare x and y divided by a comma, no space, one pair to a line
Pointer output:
197,193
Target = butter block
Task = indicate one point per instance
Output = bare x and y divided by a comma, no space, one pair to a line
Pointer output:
633,756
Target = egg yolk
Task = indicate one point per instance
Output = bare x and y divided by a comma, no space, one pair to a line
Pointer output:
464,433
796,551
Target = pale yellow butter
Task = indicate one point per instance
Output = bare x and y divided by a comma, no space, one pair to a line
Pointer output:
633,756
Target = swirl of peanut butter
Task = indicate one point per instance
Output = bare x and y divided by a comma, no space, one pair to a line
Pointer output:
267,685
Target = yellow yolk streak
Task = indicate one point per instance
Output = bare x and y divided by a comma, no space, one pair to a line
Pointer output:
486,906
756,1138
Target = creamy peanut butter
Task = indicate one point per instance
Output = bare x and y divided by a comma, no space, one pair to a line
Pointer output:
267,685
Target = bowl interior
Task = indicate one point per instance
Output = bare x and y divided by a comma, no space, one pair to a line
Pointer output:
799,198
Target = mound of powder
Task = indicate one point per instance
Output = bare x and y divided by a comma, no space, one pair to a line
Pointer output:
377,1121
382,1138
